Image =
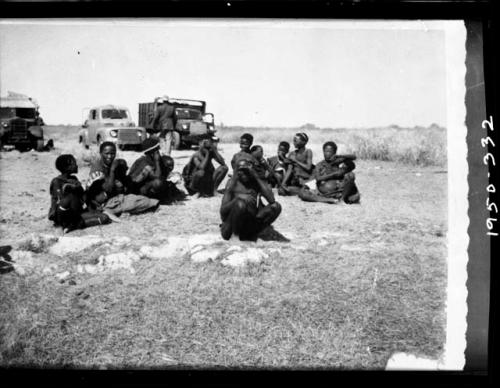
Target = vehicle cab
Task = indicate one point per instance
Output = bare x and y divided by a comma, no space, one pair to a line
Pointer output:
111,123
20,122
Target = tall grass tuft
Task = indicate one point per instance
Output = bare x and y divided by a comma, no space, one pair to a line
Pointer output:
415,146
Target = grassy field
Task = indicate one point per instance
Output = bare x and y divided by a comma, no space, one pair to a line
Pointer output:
353,285
416,146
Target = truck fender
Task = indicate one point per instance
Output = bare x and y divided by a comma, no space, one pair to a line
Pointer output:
36,131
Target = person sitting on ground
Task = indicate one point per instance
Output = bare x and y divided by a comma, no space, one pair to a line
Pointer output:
148,175
199,174
300,167
68,198
172,193
262,167
334,178
108,186
279,164
242,212
246,141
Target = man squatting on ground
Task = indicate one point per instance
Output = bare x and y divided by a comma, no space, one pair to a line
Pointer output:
334,178
67,207
242,212
108,186
199,174
163,121
300,167
148,175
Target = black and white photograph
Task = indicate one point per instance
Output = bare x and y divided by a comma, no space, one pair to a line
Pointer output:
233,194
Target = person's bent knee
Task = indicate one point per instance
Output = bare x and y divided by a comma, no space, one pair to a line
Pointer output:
276,207
304,194
223,169
349,176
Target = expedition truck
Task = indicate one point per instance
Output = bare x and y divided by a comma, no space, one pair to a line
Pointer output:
191,122
110,123
20,122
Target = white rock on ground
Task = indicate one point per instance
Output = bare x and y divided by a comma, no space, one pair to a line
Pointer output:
203,239
68,244
21,261
240,258
200,254
121,240
327,235
63,275
404,361
175,247
120,260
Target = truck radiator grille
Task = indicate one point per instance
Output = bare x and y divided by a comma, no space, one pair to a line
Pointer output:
197,128
19,129
128,136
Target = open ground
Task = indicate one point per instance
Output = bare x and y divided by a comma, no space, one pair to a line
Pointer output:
354,284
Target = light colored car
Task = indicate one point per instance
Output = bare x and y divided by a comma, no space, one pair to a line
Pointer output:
111,123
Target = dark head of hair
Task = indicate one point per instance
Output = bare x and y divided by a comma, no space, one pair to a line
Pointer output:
256,148
167,158
150,144
330,144
248,137
63,161
285,144
106,144
303,136
121,168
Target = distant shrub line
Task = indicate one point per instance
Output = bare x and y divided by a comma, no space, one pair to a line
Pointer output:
416,146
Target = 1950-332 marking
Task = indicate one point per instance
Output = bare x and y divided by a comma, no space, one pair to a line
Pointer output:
489,157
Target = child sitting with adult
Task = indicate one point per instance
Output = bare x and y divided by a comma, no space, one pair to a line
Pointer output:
67,208
300,167
334,178
108,186
200,176
262,167
246,141
242,211
279,164
148,174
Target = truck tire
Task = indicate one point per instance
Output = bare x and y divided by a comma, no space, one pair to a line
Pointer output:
39,145
176,140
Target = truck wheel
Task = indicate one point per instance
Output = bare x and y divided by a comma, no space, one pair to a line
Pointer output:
176,140
39,145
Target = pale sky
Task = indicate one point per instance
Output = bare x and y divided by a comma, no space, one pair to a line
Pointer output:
263,73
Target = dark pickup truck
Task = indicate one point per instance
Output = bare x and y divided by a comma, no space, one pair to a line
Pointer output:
191,122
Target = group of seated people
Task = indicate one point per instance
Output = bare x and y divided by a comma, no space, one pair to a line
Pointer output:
248,204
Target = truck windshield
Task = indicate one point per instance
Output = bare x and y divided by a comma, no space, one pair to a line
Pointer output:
114,114
24,113
188,114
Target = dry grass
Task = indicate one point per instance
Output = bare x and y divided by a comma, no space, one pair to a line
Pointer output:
415,146
375,288
341,310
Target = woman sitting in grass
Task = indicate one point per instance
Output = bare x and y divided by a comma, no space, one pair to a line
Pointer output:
68,199
279,164
300,167
108,186
334,178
